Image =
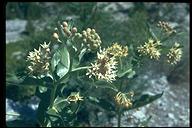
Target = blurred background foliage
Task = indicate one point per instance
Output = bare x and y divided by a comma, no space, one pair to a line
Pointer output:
130,29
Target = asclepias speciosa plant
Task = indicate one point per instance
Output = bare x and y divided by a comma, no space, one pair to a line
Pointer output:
71,71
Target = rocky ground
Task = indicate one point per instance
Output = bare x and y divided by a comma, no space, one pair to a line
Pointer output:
171,110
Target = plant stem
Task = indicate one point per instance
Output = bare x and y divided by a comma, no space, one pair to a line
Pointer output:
80,68
119,117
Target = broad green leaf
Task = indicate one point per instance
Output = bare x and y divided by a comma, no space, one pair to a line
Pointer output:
65,58
61,70
64,64
55,60
60,103
53,111
144,100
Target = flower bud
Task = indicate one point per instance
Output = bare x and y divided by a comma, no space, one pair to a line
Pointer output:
65,24
93,30
74,30
66,30
88,30
55,35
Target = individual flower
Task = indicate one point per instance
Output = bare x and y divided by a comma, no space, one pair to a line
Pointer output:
117,50
150,49
166,27
124,99
174,54
39,60
74,97
104,68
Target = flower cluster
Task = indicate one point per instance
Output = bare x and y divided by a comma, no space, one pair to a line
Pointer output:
89,38
174,54
68,30
74,97
123,100
117,50
151,49
39,60
166,27
104,68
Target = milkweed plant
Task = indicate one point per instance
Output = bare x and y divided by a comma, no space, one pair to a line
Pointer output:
77,59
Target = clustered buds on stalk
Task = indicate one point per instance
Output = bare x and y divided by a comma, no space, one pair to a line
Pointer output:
124,99
166,27
74,97
67,30
151,49
89,38
39,60
174,54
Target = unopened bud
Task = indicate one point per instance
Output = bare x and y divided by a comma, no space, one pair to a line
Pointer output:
85,40
88,30
67,32
74,30
65,24
93,30
55,35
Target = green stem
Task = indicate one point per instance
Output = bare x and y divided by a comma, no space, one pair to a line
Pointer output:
120,62
119,117
12,114
80,68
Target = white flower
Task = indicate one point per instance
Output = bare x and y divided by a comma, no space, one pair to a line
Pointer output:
174,54
151,49
104,68
39,60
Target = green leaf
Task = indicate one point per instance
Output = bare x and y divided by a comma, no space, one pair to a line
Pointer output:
55,60
60,103
124,72
52,111
65,58
61,70
64,64
144,100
